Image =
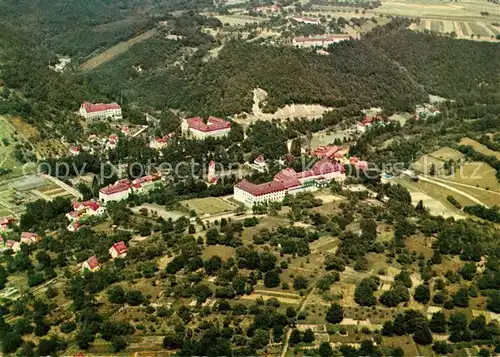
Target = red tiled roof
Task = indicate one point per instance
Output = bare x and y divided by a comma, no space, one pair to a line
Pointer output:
80,354
99,107
325,166
113,137
7,220
117,187
259,159
285,174
10,243
74,148
213,124
93,262
120,248
326,151
29,235
148,178
328,38
262,189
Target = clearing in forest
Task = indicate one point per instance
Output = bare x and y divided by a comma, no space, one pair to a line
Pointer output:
115,50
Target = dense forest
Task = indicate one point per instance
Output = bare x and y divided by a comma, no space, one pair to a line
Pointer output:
455,69
354,73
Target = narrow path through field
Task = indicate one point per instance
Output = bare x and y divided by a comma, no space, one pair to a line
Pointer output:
289,331
451,188
466,185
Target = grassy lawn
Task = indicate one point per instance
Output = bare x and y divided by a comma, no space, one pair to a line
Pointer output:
208,205
447,153
222,251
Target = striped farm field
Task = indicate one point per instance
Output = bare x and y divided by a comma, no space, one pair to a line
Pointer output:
463,27
437,26
494,29
478,30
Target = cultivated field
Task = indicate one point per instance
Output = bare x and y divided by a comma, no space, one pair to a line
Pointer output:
208,205
116,50
463,18
437,9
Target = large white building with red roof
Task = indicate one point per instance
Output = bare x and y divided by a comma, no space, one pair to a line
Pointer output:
100,111
199,129
121,190
118,191
288,181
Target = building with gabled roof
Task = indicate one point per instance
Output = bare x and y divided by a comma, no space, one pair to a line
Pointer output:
74,150
100,111
118,191
5,221
29,238
74,226
12,244
91,264
118,250
199,129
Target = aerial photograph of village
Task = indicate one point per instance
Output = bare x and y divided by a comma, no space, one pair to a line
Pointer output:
281,178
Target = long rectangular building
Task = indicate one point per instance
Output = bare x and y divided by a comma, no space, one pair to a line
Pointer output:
319,41
288,181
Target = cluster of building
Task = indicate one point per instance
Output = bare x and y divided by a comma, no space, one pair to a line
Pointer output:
288,181
161,142
121,189
100,111
27,238
426,111
81,212
117,250
330,152
320,41
200,129
368,121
